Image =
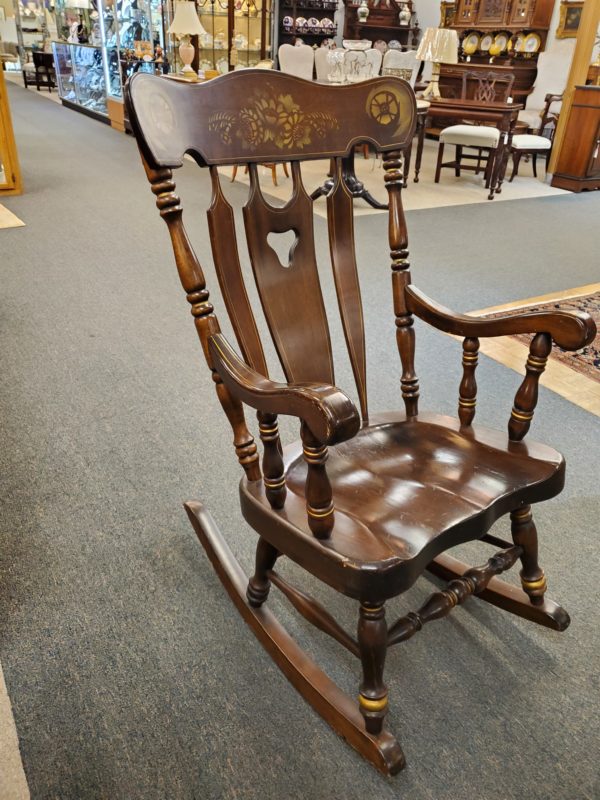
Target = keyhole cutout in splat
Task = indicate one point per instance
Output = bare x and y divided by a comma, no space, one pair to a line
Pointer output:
283,245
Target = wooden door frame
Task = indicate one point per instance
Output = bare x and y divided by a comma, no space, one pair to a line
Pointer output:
8,146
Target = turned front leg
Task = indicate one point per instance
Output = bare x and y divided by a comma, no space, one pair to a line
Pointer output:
259,584
524,533
372,643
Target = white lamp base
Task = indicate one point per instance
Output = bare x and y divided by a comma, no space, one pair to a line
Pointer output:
186,54
433,89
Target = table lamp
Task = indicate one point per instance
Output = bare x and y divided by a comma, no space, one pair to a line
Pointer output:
440,46
186,24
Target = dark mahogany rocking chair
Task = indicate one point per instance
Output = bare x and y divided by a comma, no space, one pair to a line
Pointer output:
366,504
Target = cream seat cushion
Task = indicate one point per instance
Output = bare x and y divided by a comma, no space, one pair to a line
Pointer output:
422,105
527,141
471,135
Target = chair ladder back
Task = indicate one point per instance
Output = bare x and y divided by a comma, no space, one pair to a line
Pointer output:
489,87
290,294
340,220
221,225
393,165
193,281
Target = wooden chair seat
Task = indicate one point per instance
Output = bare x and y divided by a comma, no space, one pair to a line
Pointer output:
466,481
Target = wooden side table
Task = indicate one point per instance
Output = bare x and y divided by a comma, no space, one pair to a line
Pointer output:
501,115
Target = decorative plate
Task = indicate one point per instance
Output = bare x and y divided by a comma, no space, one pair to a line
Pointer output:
301,22
470,43
533,42
327,23
394,45
485,42
287,22
314,24
502,41
380,45
518,42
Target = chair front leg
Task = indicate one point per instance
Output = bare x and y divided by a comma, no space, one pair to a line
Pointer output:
259,584
458,159
534,164
372,643
524,533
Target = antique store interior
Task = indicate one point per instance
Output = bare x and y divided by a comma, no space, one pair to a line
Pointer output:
125,669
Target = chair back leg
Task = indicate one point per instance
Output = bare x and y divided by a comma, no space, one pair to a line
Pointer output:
438,168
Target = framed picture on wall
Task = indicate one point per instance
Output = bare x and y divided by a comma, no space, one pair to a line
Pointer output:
570,16
447,13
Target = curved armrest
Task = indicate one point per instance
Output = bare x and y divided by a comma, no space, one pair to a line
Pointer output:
330,416
569,329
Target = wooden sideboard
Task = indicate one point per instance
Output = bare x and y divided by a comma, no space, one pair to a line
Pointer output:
578,166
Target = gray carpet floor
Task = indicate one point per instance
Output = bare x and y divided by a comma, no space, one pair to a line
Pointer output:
131,674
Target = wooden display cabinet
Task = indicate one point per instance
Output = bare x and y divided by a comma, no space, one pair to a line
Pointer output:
578,166
512,15
307,9
492,17
382,23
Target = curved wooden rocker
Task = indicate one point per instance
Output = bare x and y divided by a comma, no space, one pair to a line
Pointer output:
366,504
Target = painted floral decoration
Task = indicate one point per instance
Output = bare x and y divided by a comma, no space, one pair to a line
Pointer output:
272,119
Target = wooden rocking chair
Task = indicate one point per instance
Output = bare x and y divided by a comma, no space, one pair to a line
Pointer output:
366,504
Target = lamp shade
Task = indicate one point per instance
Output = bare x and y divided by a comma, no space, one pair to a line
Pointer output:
439,45
186,21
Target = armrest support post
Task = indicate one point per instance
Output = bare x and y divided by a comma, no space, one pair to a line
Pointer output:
467,392
527,394
319,495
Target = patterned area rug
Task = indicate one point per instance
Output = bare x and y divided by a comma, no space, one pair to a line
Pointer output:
575,376
585,361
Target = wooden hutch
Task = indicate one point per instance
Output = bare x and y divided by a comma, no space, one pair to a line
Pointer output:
382,22
496,17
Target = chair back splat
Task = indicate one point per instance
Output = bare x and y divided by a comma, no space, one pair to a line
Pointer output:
250,119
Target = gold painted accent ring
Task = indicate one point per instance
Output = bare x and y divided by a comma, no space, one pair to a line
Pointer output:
539,583
525,417
318,514
372,705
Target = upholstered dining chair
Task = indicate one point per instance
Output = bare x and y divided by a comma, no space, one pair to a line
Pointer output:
551,78
363,502
297,60
322,65
538,143
402,64
486,88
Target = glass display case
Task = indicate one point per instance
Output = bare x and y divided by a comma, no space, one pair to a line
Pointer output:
238,33
104,42
80,76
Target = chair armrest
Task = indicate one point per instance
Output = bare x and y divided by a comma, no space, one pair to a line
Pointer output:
552,98
571,330
330,416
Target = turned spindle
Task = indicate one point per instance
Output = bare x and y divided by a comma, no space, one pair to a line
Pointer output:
372,644
467,392
398,241
527,394
440,604
193,282
272,464
319,495
524,533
